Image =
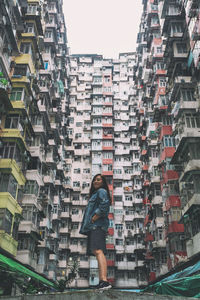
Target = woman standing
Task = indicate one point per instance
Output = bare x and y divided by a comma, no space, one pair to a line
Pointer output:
95,225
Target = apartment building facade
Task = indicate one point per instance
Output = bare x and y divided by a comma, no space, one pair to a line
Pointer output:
102,128
34,108
167,77
135,120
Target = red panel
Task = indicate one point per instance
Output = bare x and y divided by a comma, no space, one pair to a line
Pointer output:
110,186
110,263
110,246
169,175
152,276
111,231
161,72
145,168
107,125
146,183
146,201
146,220
111,216
167,152
107,173
144,152
107,114
107,148
165,130
175,227
107,161
173,201
149,237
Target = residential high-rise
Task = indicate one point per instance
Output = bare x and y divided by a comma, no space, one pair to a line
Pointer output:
167,75
34,109
135,119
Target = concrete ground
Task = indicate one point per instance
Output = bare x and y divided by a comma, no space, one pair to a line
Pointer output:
94,295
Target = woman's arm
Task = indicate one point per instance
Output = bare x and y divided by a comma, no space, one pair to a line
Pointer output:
104,204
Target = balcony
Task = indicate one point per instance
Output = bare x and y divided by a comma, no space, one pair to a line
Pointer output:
157,200
7,243
65,214
25,59
28,227
77,249
193,245
194,200
190,167
12,166
64,230
7,201
125,265
175,227
159,244
27,257
62,264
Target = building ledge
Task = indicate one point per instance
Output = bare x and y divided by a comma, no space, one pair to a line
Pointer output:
94,295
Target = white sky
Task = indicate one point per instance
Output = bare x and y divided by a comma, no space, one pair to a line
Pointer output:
105,27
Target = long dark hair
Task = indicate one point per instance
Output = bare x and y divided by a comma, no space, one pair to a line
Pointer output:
104,186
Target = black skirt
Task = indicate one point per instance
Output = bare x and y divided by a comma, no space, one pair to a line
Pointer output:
96,241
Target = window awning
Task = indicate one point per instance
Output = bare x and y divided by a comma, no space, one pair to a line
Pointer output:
8,264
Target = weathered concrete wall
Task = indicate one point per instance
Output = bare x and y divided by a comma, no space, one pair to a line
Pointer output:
94,295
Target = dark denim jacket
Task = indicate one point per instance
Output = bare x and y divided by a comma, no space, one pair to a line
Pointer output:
98,204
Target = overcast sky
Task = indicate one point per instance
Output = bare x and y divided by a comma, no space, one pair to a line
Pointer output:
105,27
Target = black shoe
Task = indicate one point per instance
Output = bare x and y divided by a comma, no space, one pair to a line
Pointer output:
104,285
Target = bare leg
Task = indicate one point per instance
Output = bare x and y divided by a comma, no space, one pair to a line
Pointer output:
102,264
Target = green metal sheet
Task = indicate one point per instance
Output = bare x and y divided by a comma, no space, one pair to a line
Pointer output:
18,268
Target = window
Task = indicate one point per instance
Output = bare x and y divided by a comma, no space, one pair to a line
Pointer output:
119,242
119,257
75,197
32,9
107,167
48,34
46,65
129,226
31,187
76,184
75,226
8,184
118,211
117,198
75,211
159,49
187,95
176,28
169,141
107,155
162,82
12,121
117,171
117,184
17,94
181,48
128,198
26,48
119,226
30,28
5,220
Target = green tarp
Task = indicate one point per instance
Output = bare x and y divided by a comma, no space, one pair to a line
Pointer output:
11,265
185,286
